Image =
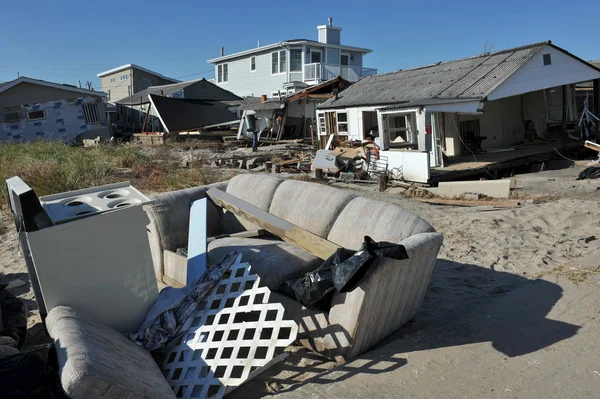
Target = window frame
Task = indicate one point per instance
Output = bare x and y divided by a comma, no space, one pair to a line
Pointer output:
320,56
30,119
339,123
344,55
547,59
299,50
253,64
113,80
281,61
223,73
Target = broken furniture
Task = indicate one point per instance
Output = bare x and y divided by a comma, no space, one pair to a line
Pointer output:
88,249
96,361
388,297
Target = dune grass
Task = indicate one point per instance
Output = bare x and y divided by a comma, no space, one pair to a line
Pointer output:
51,167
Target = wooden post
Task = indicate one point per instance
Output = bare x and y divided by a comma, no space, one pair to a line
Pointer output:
564,110
383,180
319,174
596,108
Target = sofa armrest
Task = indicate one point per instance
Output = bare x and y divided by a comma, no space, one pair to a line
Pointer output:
389,296
169,217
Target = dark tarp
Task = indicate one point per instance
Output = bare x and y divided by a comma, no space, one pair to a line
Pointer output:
178,115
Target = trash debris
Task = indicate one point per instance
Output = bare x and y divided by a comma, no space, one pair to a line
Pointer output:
167,317
14,318
593,172
30,374
343,271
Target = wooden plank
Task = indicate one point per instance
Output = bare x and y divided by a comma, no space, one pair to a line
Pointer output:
504,204
243,234
329,141
273,224
592,146
196,264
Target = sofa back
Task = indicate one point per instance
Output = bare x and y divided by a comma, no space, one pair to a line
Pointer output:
379,220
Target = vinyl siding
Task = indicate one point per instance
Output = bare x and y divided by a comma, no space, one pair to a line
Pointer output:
333,56
243,82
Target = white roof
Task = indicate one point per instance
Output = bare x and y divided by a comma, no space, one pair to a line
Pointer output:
74,89
128,66
282,44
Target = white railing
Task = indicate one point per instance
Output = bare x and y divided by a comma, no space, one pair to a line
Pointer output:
296,77
327,72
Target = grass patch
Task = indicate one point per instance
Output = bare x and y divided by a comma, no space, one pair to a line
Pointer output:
51,167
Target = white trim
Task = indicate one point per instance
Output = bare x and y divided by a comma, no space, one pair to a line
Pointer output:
284,44
328,27
278,52
128,66
347,55
24,79
310,56
36,119
301,59
223,74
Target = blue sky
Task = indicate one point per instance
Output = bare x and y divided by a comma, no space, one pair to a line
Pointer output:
68,41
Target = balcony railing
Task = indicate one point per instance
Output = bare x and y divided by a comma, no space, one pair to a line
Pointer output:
324,72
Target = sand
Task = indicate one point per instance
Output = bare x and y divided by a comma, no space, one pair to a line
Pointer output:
487,253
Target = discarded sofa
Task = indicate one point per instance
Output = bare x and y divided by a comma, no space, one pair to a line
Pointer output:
388,296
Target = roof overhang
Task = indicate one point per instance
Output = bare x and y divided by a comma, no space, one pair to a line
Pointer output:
129,66
24,79
286,45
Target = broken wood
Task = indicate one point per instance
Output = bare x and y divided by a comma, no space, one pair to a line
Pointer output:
287,231
503,204
592,146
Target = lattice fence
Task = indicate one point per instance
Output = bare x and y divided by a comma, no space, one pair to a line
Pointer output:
235,332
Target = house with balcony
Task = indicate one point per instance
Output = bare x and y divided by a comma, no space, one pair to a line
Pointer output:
289,66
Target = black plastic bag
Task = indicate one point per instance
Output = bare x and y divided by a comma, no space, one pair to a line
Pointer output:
593,172
342,272
14,317
31,374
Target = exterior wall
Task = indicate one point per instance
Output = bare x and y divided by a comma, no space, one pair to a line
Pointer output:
243,82
120,89
64,121
535,76
333,56
534,109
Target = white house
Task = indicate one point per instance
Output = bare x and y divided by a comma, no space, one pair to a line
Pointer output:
490,102
32,109
291,65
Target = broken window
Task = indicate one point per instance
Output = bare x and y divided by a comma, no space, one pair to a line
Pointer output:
36,115
253,64
295,60
90,112
222,73
342,123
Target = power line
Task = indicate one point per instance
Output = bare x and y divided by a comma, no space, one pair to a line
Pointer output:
194,74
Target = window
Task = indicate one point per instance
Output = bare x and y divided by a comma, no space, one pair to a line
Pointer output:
275,94
12,117
345,60
90,112
295,60
112,80
315,57
547,59
322,125
222,73
144,84
124,77
253,64
36,115
278,62
342,123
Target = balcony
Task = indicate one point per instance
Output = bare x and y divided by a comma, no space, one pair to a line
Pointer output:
323,72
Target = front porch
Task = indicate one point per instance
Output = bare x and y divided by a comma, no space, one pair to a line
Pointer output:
317,73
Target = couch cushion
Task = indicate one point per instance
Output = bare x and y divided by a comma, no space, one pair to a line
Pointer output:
257,190
314,207
274,261
379,220
95,361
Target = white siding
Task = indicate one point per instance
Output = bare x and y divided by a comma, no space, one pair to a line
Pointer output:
243,82
536,76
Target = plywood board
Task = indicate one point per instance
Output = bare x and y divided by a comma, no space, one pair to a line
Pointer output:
285,230
490,188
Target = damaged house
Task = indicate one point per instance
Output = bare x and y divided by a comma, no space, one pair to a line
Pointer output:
185,102
431,122
32,109
295,112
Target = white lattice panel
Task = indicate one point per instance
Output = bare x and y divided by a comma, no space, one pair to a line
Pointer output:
235,331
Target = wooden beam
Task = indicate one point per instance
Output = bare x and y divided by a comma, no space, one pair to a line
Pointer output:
285,230
592,146
243,234
503,204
